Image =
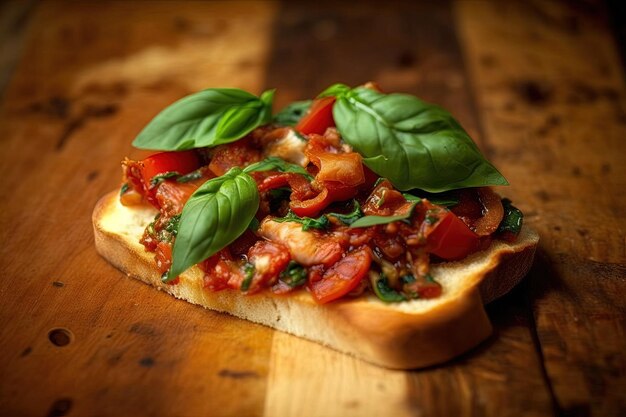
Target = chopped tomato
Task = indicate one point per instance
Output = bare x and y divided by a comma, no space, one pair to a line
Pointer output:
318,118
269,259
449,237
163,256
385,200
220,272
343,277
493,212
171,196
236,154
163,162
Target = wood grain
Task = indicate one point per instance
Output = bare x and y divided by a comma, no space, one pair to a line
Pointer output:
555,106
539,86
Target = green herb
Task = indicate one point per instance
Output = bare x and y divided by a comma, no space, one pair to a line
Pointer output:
124,189
375,220
307,222
351,217
335,90
254,224
412,143
192,176
446,199
291,114
248,271
208,118
380,285
407,279
294,275
274,163
159,178
512,220
216,214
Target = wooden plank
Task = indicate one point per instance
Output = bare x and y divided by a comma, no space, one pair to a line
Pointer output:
412,48
550,88
91,76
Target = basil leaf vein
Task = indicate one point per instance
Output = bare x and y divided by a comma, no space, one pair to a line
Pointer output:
207,118
216,214
412,143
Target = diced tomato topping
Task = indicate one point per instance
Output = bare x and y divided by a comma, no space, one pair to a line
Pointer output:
448,236
343,277
235,154
171,196
163,162
385,200
221,272
318,118
269,259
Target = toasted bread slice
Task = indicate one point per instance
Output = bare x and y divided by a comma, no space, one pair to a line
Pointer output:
404,335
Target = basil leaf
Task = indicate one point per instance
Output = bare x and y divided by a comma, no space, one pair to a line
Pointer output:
380,285
335,90
274,163
412,143
294,275
216,214
512,220
124,188
446,199
351,217
291,114
307,222
192,176
208,118
159,178
249,270
375,220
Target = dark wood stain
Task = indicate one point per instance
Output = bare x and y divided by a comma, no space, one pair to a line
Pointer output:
60,407
26,352
230,373
58,284
147,362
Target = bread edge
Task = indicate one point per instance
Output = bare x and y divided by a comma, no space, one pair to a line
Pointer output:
371,330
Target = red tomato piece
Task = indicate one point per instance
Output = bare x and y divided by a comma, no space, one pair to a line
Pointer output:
451,239
343,277
236,154
318,118
269,259
160,163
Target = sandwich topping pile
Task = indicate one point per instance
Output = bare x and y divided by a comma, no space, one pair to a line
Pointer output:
355,191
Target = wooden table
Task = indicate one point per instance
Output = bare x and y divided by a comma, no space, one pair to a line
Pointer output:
540,86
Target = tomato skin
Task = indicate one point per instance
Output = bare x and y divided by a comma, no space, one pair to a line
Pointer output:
318,118
451,239
342,277
182,162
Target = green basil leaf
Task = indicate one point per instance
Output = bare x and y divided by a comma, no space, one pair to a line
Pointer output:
249,270
208,118
307,222
124,188
351,217
412,143
274,163
513,218
294,275
335,90
159,178
446,199
380,285
376,220
216,214
291,114
192,176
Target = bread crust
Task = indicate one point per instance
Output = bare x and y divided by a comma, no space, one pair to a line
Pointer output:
406,335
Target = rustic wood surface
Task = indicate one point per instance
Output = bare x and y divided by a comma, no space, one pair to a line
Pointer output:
539,85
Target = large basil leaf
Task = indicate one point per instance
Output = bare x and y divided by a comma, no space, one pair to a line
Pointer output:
216,214
208,118
412,143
